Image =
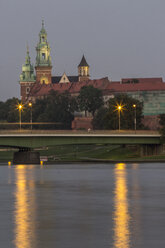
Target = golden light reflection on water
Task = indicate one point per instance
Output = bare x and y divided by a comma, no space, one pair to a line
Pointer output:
121,212
24,208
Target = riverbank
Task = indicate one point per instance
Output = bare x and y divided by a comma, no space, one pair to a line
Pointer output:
88,153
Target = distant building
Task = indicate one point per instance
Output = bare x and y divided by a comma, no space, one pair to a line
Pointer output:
151,91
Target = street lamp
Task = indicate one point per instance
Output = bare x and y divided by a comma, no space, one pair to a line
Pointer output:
30,105
134,106
119,108
20,108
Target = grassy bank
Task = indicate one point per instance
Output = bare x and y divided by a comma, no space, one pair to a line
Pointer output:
82,153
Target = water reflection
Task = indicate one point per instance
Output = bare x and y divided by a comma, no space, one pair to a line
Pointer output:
25,207
121,213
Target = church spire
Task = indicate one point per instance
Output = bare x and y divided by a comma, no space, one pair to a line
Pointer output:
27,69
83,70
42,24
27,59
43,49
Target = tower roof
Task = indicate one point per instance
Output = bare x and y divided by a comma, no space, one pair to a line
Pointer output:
83,62
27,74
27,59
43,31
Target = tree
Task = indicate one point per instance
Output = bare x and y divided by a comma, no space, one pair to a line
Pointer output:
10,108
162,124
98,121
90,99
57,108
109,118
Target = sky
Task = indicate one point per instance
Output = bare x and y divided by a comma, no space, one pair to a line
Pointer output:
119,38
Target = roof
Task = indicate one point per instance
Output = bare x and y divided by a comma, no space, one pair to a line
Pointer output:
108,87
141,80
73,78
74,88
144,84
57,79
83,62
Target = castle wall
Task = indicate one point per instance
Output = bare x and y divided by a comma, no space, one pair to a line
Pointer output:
153,101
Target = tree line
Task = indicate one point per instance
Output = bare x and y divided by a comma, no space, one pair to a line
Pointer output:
60,108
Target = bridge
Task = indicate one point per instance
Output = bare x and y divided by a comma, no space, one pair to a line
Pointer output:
149,143
42,140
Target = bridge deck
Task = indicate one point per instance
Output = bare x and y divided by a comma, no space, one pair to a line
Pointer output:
35,140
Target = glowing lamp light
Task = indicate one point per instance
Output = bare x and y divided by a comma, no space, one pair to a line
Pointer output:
134,106
119,108
19,106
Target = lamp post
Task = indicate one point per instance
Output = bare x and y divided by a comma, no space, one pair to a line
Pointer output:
119,109
134,106
30,105
20,107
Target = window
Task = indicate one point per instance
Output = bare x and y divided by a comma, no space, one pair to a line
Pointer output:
27,90
43,38
43,56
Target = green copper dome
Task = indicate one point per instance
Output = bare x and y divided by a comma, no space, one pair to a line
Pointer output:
27,74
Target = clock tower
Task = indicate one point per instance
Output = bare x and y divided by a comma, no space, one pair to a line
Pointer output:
43,65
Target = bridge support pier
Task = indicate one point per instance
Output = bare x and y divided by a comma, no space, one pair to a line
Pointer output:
26,156
149,150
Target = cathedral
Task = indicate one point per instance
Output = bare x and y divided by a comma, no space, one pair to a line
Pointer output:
43,69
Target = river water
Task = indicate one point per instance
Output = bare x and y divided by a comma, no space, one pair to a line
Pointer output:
82,206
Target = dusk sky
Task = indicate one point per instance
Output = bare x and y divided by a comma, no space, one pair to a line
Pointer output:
119,38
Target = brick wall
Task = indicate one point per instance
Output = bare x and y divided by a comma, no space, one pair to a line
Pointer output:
151,121
82,123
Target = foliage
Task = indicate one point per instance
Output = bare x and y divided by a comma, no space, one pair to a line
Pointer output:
58,108
100,119
90,99
162,124
162,119
108,118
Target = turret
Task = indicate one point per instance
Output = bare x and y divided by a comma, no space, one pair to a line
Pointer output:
27,77
83,70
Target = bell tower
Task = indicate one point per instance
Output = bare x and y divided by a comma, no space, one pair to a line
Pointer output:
27,78
43,65
83,70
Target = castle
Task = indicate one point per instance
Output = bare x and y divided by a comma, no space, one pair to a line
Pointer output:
43,69
151,91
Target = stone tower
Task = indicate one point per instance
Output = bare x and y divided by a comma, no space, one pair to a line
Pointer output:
83,70
27,78
43,65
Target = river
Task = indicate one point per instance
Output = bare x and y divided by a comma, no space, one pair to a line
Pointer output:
82,206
